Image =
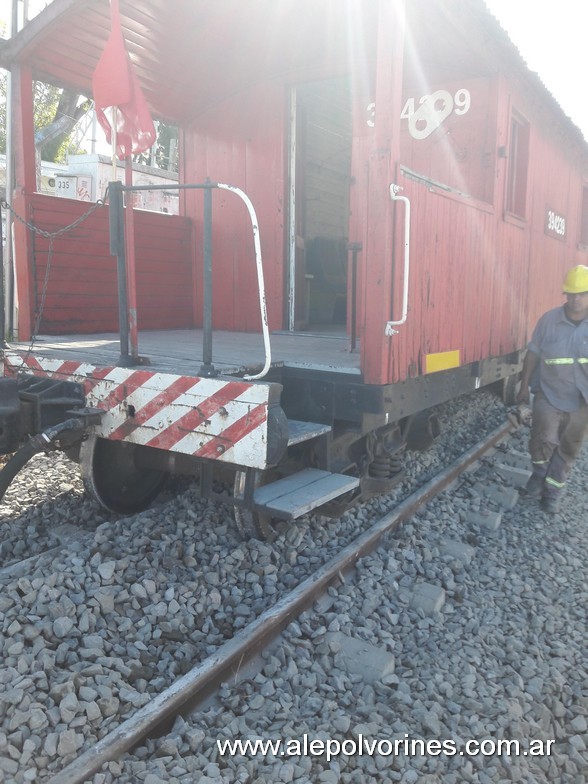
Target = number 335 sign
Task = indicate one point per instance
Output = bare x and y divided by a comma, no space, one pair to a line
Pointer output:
431,112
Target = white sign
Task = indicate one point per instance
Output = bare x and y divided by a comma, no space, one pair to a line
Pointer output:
69,186
555,224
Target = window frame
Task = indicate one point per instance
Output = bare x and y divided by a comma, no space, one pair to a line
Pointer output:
518,166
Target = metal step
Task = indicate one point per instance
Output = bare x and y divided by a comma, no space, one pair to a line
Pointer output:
300,493
304,431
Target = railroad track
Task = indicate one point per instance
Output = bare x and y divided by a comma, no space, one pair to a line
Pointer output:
233,655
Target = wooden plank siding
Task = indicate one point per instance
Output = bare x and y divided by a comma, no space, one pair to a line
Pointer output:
81,294
480,277
327,157
240,143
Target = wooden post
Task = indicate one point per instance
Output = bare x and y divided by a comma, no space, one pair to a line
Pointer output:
131,264
25,183
379,239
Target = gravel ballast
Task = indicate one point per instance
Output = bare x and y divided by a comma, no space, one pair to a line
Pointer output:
95,633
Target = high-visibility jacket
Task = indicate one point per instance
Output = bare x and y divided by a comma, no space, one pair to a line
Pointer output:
562,372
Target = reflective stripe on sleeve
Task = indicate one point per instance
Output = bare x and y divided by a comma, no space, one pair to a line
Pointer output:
566,361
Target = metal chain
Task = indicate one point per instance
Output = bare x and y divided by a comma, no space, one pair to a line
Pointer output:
51,236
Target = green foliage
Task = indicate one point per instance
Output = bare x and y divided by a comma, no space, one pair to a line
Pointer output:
164,155
57,151
46,102
51,103
56,113
2,112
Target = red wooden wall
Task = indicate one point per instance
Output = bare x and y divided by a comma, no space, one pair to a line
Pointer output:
241,142
82,283
480,277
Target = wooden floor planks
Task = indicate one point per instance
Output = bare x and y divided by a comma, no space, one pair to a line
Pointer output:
180,351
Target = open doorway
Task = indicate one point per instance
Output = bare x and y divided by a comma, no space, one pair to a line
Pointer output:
320,166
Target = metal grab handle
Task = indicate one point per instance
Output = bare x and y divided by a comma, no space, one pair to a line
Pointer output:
389,331
260,279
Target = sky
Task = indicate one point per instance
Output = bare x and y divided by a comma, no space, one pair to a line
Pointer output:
550,35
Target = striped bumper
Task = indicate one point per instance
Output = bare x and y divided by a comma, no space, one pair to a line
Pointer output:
210,418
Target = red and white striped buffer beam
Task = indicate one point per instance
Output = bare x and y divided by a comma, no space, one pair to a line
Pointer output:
210,418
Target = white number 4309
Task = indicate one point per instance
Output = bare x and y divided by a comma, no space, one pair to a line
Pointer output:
433,109
430,113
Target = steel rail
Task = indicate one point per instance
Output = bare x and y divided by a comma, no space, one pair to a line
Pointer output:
201,681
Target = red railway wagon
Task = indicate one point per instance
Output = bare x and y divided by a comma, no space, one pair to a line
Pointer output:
377,200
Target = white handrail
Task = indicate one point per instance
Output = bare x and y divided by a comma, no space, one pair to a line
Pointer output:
389,331
260,280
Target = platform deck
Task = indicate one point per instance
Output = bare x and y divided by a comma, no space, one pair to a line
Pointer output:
180,351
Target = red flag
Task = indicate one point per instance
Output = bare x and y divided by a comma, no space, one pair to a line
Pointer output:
115,85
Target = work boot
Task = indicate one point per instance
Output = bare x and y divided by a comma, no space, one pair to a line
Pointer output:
534,486
550,504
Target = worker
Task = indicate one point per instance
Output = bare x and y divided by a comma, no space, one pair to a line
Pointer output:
556,371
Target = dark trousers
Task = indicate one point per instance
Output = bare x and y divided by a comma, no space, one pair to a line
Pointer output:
556,441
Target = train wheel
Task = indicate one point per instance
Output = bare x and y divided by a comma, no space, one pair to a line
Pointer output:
509,388
111,476
251,523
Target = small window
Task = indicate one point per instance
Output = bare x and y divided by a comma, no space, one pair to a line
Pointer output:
518,166
584,222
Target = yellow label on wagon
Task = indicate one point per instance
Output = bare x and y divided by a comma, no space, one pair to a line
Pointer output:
444,360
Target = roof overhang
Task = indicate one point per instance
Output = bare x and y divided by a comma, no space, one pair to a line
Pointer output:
187,55
190,54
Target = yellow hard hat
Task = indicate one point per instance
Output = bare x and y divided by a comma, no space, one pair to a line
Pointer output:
576,281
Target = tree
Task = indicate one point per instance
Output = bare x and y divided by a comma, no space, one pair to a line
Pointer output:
3,112
56,113
164,152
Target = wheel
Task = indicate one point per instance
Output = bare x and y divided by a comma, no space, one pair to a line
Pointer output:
251,523
510,386
109,473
